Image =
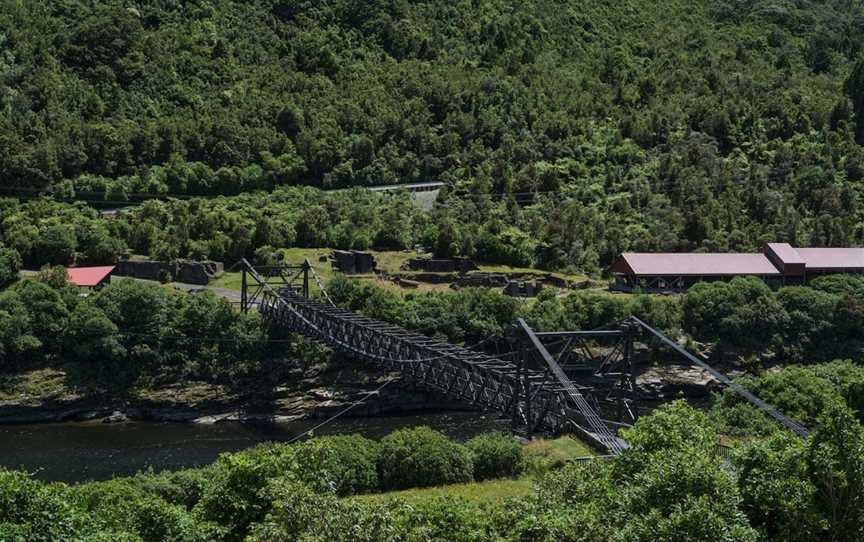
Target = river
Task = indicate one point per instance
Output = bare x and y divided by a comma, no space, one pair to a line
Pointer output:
75,452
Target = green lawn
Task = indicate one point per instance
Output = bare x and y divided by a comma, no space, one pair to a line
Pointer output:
490,490
497,268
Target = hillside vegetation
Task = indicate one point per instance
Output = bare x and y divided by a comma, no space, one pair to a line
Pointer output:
703,124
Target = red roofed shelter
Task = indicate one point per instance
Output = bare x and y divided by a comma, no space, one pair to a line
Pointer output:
679,271
778,264
89,277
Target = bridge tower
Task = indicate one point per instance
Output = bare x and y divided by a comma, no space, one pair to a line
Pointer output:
276,277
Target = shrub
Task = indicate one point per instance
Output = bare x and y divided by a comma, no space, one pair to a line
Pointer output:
496,455
237,495
296,509
421,457
34,511
348,464
674,425
182,487
120,506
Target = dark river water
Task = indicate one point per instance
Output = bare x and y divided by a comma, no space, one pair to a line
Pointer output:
74,452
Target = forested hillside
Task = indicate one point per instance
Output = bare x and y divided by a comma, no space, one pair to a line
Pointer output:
702,124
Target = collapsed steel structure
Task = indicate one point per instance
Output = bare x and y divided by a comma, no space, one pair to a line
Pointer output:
533,385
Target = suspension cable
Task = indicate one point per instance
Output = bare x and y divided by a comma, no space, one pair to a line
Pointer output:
341,412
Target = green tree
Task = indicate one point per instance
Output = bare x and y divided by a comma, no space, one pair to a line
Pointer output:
10,265
46,311
17,339
94,340
56,244
777,495
835,466
855,90
32,511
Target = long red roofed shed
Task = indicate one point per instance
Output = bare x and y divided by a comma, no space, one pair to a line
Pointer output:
699,264
778,263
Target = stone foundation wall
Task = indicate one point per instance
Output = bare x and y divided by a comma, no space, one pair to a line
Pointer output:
189,271
352,262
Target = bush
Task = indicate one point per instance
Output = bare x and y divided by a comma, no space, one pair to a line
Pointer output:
802,393
296,509
120,506
422,457
237,495
347,464
496,455
37,512
182,487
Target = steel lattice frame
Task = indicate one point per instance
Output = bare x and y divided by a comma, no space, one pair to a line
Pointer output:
534,399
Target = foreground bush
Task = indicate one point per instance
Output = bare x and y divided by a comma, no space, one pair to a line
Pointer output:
346,464
31,510
803,393
238,494
422,457
122,507
670,486
496,455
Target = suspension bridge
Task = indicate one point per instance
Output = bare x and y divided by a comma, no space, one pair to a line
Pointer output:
550,382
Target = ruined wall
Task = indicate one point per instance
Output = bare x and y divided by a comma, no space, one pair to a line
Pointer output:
189,271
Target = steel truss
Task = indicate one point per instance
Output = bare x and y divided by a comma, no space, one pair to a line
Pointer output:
268,277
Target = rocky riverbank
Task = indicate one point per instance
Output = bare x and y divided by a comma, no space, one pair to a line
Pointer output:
318,392
315,396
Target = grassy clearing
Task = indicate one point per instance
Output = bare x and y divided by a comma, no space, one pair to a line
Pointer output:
388,263
392,286
542,455
496,268
488,491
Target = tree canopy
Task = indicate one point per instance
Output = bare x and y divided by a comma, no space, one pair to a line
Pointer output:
566,133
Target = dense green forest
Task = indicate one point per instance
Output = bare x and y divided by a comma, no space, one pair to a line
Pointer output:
711,125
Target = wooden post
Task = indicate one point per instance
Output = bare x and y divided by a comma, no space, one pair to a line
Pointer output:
306,267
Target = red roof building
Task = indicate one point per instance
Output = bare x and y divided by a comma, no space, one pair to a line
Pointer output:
778,264
89,277
694,264
833,260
